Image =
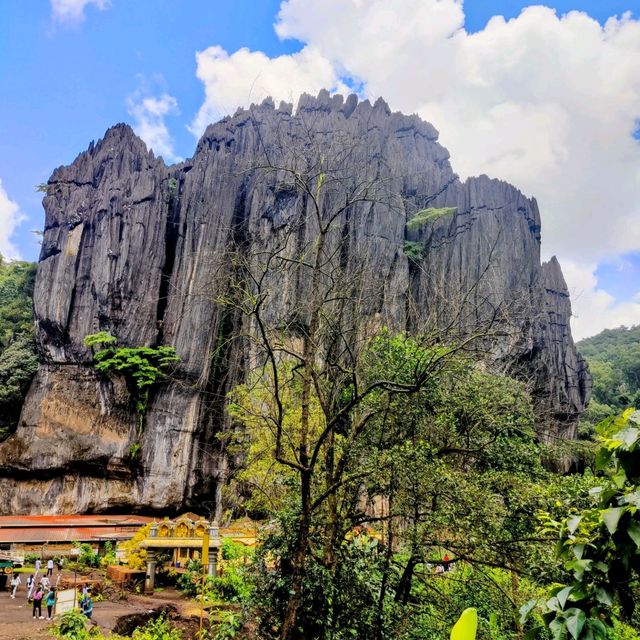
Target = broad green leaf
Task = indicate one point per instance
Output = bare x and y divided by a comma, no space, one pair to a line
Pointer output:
632,498
578,551
634,532
603,596
558,629
603,456
563,595
526,609
579,567
466,627
598,629
611,517
572,523
553,604
629,436
575,621
601,566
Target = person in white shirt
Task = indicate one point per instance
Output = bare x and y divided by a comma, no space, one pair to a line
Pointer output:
38,564
30,584
50,567
15,582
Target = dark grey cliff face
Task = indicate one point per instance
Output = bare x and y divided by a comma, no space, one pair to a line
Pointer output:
146,252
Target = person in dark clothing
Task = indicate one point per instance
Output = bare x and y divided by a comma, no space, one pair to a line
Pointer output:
37,602
87,607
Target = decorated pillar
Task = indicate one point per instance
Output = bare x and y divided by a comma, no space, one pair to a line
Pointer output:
150,577
214,543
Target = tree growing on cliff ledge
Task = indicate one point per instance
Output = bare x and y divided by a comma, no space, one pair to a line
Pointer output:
141,367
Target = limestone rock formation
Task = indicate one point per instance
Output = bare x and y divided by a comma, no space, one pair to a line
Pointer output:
142,250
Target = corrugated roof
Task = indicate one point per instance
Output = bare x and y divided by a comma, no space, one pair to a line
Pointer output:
64,534
73,521
20,529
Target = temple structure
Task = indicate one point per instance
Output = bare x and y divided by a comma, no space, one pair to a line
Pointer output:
187,538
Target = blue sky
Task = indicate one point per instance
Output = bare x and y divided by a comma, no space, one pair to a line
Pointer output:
64,81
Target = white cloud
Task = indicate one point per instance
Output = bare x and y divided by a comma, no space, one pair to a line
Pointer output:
10,218
594,309
247,76
72,11
544,101
149,113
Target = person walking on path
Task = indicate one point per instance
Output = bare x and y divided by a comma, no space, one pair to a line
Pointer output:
37,603
30,584
49,567
15,583
87,607
51,600
38,565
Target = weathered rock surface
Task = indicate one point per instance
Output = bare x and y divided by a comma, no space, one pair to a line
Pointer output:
143,250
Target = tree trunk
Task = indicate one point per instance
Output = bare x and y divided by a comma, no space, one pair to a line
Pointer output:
298,564
404,585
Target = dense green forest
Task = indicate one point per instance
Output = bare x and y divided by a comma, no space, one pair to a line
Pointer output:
614,361
18,361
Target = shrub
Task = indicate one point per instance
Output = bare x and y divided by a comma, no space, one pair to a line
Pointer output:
158,629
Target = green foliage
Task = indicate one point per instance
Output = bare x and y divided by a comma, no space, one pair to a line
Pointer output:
414,250
614,361
109,556
18,365
158,629
598,546
426,216
99,339
86,558
232,550
16,294
72,626
18,361
141,367
458,460
229,626
172,190
134,451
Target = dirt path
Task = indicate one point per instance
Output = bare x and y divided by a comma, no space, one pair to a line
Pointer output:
16,621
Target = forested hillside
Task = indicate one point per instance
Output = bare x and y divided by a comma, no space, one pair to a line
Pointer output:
18,361
614,360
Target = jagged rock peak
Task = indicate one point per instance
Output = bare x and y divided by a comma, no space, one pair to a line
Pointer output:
553,277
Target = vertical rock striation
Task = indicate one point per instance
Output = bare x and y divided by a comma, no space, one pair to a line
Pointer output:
145,251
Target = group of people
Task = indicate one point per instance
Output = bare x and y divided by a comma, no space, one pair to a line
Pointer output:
36,594
40,590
